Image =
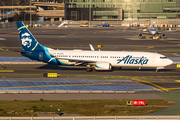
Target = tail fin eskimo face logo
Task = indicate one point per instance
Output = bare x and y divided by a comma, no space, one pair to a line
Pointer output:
26,40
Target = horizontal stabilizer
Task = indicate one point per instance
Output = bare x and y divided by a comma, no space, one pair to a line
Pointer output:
28,52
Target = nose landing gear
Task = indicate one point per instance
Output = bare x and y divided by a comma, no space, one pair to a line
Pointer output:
159,68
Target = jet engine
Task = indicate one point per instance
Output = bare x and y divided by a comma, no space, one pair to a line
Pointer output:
140,35
163,35
103,66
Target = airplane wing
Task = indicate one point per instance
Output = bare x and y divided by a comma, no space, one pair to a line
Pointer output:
78,60
21,51
147,33
26,52
161,32
142,32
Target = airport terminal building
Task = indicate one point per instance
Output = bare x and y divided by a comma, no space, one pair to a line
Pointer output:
122,9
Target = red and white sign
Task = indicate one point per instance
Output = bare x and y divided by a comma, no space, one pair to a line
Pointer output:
139,102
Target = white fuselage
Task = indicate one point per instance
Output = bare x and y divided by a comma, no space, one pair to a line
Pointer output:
115,58
153,30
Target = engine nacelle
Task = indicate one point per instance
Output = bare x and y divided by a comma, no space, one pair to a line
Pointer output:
140,35
163,35
103,66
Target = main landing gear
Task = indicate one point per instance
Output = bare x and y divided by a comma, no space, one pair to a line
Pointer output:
89,69
159,68
143,37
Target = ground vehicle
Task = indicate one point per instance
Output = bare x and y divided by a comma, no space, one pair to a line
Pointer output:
104,25
84,24
64,24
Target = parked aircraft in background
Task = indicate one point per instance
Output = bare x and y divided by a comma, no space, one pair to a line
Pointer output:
98,60
64,24
153,32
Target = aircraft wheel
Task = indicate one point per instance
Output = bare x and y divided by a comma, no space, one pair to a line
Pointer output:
157,70
143,37
88,69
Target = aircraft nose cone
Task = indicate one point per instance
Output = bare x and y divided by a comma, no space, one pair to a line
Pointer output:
170,62
152,32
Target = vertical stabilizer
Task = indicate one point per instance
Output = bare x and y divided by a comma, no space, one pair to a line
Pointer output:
28,42
149,20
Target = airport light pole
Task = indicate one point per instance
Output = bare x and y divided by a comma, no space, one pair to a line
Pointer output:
43,16
3,8
90,13
12,5
24,16
30,13
25,6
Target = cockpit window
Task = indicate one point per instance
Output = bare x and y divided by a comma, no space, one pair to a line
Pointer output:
163,57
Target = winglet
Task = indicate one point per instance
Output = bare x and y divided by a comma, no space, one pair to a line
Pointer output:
92,49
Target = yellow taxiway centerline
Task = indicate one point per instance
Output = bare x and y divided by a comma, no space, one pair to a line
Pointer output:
157,86
6,70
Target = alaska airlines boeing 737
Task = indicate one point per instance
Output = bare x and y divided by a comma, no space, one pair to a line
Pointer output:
98,60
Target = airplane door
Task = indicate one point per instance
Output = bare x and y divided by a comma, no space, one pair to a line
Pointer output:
40,56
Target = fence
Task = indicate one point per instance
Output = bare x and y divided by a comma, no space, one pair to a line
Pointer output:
77,23
96,118
45,23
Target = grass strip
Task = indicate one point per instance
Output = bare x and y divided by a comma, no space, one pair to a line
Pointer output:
80,107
